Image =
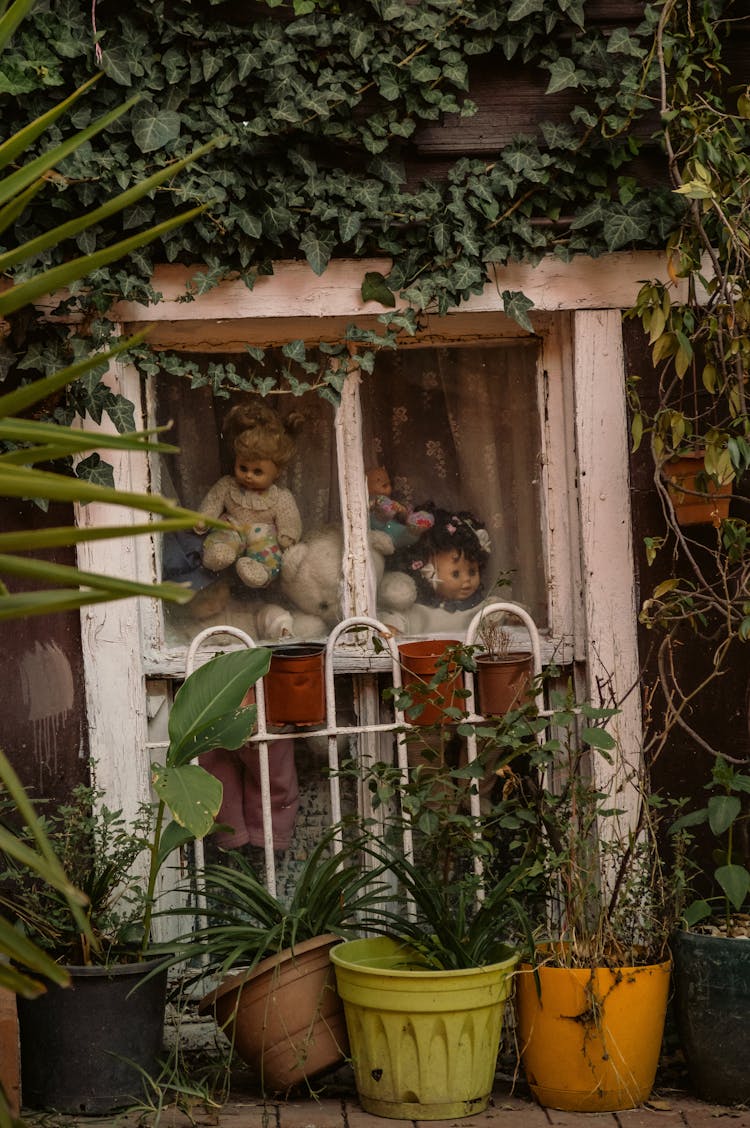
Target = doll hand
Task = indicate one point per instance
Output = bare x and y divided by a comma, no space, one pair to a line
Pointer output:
420,521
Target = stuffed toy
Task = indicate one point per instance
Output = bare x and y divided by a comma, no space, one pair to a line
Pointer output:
437,584
264,517
402,524
311,582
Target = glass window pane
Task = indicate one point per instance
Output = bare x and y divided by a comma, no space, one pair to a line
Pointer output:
231,591
459,428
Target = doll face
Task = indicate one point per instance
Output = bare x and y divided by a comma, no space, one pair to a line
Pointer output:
378,481
457,576
256,473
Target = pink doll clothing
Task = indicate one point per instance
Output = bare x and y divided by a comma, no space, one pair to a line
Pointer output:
241,808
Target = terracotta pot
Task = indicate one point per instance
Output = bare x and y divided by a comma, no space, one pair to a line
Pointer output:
696,502
419,664
503,682
284,1018
295,685
590,1038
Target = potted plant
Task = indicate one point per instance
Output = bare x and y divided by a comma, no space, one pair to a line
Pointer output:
276,999
712,950
503,674
591,998
424,1003
80,1050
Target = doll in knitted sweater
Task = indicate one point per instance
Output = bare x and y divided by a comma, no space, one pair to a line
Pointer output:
264,517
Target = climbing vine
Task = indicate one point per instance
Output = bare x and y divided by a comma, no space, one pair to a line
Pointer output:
319,106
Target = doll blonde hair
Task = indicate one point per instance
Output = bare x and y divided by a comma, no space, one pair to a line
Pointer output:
256,432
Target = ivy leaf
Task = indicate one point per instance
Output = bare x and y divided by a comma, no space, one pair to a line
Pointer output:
517,306
621,42
359,40
563,76
391,171
94,469
294,350
154,127
520,9
116,65
375,289
316,249
621,228
349,226
121,412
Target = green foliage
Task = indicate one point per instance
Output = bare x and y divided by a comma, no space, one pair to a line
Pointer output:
726,819
24,843
559,858
322,107
245,923
99,850
698,329
30,449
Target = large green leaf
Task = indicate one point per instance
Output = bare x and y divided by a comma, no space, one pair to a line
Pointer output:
191,793
722,811
207,710
735,881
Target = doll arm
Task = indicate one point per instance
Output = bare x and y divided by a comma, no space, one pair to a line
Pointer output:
214,503
288,520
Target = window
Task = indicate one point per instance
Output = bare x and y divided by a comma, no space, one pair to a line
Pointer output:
455,427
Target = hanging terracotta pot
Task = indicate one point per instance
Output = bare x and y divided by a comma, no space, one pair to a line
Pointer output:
284,1018
503,681
590,1037
419,665
696,498
295,685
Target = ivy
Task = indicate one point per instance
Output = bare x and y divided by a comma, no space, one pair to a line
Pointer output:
320,107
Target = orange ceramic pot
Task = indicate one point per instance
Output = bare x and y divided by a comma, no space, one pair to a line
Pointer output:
590,1039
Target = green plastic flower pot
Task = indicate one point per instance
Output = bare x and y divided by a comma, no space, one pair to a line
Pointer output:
424,1043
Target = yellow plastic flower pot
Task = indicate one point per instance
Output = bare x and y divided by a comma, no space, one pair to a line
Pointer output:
590,1042
424,1043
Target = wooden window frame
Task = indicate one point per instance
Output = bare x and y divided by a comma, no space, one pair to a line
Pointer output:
586,524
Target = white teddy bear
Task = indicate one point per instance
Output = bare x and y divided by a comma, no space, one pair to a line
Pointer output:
311,582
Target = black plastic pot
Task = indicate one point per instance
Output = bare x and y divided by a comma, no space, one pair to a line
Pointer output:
712,1007
83,1047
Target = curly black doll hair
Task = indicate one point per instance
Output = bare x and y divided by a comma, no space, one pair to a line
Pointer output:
453,530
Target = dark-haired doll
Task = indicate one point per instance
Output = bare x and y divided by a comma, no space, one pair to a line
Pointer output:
438,585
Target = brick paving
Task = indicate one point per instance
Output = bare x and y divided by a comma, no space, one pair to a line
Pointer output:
667,1109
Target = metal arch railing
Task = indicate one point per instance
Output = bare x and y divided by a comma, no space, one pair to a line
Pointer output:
332,730
471,741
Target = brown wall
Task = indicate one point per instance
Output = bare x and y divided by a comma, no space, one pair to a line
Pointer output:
722,716
42,725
